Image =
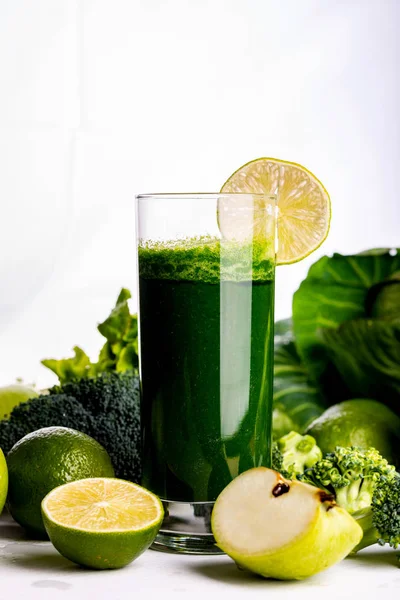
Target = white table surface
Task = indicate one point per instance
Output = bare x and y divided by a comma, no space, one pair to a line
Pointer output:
35,570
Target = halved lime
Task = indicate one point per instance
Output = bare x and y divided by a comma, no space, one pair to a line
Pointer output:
102,523
303,204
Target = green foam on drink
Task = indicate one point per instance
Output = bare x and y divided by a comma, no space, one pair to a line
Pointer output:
206,259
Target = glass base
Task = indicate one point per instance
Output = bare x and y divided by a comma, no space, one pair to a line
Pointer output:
185,544
186,529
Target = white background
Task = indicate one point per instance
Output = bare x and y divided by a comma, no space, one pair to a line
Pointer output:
102,99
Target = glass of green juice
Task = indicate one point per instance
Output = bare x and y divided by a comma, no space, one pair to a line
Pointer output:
206,265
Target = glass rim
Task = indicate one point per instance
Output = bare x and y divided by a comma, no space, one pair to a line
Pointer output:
205,195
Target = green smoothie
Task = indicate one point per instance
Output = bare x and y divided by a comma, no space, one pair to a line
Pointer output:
206,343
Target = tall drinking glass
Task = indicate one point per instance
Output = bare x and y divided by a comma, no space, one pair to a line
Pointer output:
206,266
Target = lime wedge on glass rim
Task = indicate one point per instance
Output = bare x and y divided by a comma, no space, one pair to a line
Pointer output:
304,209
102,522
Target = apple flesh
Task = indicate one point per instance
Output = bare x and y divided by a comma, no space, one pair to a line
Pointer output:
279,528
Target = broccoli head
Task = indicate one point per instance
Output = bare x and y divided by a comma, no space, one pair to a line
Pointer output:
352,474
367,486
106,407
113,401
43,411
381,523
386,511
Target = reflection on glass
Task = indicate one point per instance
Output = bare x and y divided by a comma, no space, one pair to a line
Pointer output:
206,331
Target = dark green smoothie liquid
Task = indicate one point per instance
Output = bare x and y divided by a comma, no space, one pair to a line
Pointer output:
206,331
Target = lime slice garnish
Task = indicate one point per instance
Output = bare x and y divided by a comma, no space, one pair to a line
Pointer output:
303,204
102,523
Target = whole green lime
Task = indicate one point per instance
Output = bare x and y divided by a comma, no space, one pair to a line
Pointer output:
3,480
362,423
12,395
45,459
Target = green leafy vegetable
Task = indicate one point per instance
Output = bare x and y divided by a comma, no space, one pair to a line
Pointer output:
344,321
335,290
366,353
119,353
297,402
383,300
71,368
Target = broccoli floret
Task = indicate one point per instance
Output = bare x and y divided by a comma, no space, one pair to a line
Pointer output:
299,452
113,400
386,511
381,521
103,393
352,474
106,407
293,453
367,486
42,411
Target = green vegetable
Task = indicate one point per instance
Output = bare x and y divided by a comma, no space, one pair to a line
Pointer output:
299,452
296,401
366,353
106,408
42,411
367,486
386,512
339,289
293,453
383,300
119,353
68,369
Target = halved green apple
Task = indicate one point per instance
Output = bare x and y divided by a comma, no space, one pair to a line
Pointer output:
279,528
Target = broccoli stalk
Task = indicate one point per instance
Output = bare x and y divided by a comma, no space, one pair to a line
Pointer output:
299,452
367,486
357,495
